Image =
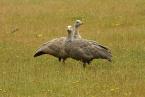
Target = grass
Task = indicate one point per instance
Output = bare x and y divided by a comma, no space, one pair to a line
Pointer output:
119,24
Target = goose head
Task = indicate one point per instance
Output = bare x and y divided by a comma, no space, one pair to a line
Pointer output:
70,33
78,23
69,29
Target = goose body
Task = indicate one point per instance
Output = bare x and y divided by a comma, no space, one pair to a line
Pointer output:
56,46
85,50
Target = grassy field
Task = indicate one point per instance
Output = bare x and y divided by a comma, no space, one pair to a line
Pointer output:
118,24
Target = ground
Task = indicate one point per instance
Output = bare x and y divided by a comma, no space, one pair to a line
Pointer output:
117,24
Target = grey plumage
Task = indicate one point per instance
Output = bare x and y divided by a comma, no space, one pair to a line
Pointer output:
56,46
85,50
75,29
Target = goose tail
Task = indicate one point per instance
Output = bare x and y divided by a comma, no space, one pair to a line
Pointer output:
105,53
39,52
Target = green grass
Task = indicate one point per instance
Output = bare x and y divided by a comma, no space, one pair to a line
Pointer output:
118,24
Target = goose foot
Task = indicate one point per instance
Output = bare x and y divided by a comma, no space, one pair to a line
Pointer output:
63,61
59,59
84,65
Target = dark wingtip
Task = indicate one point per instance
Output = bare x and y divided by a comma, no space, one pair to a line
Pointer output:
110,60
35,55
38,54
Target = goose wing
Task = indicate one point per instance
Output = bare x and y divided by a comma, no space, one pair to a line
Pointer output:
54,47
88,50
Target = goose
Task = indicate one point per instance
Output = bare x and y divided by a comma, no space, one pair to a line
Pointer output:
84,50
75,29
55,47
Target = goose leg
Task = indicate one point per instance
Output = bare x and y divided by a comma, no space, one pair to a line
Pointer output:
64,61
88,62
84,65
59,59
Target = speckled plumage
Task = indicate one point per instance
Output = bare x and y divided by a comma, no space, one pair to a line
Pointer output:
56,46
85,50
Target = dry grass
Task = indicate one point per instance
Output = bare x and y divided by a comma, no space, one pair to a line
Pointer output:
118,24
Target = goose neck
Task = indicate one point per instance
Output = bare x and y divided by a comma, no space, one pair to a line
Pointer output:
76,30
70,36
